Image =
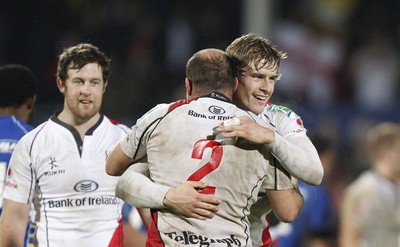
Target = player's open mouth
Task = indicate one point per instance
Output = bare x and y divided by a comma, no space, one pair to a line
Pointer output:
260,97
85,102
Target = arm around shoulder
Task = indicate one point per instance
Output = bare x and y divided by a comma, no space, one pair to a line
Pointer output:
299,157
136,188
292,147
295,151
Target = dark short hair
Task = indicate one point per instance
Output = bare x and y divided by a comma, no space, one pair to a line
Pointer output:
75,57
17,84
211,69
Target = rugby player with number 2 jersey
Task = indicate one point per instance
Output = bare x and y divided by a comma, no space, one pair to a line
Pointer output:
173,138
258,65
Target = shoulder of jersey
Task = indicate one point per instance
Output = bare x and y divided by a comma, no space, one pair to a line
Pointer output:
36,131
118,125
159,109
283,110
178,103
156,112
113,121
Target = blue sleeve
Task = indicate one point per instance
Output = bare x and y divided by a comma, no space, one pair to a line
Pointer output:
321,216
316,215
126,209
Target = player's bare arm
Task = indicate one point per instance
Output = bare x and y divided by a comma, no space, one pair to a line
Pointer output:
13,223
117,161
286,204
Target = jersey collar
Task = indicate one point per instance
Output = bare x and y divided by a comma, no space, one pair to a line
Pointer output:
217,95
76,135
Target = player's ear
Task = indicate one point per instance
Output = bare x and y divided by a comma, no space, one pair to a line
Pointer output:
235,86
189,87
60,85
30,102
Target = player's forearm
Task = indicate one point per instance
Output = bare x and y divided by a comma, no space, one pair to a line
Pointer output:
286,204
139,190
117,162
299,158
9,240
13,222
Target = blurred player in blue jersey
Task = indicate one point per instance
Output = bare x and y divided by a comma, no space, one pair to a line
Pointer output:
17,99
18,91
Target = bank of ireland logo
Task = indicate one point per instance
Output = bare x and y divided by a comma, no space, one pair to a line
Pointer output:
216,110
86,186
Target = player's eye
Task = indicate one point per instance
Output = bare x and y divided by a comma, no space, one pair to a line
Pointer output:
95,82
77,81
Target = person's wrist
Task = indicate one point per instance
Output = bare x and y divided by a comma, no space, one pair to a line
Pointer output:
166,201
272,139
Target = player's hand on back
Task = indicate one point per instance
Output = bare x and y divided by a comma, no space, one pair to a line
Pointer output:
187,201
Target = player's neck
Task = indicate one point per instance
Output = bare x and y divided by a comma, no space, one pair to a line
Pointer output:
388,173
8,111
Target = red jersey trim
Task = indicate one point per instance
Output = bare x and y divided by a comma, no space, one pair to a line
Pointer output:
153,236
117,239
115,122
266,236
179,103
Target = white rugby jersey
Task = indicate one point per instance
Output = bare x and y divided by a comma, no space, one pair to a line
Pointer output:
174,138
77,204
290,134
373,203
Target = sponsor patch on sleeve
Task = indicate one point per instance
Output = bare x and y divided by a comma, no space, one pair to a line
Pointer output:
286,111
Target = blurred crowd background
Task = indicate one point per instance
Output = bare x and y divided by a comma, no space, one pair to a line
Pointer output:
341,74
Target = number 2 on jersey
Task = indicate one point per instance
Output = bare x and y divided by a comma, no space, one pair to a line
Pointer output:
211,165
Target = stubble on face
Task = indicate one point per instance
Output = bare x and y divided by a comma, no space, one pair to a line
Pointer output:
84,93
81,108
